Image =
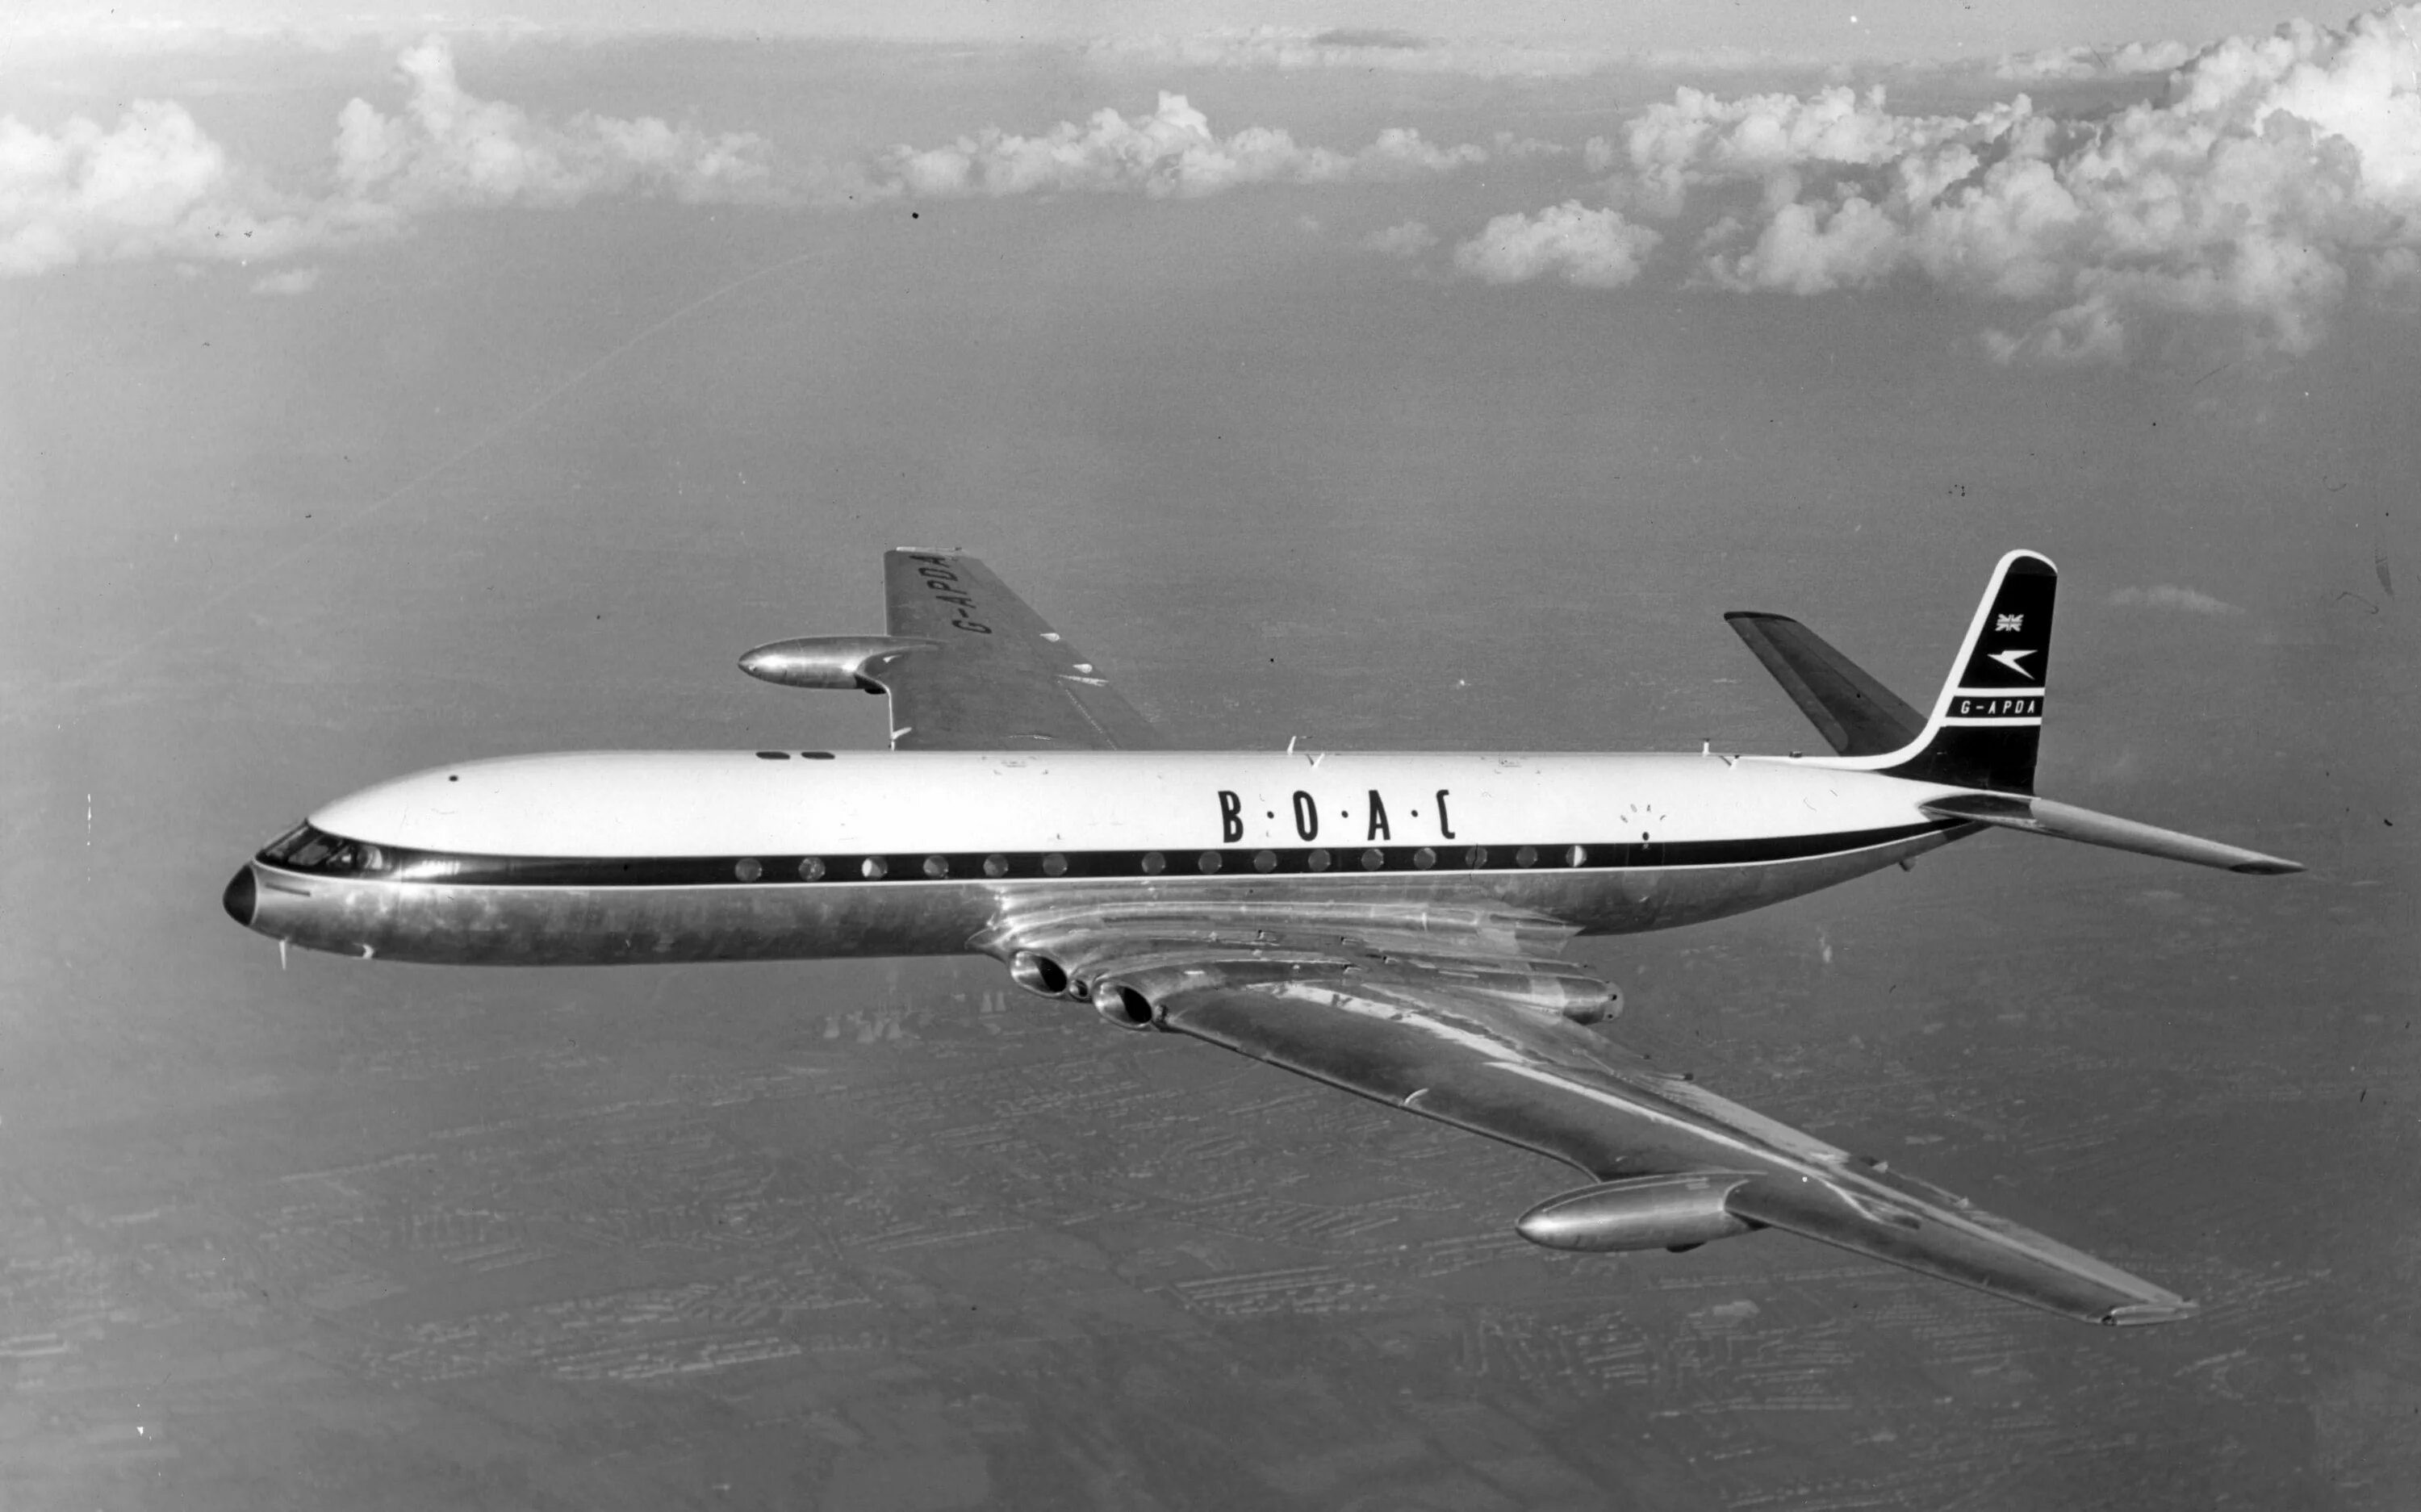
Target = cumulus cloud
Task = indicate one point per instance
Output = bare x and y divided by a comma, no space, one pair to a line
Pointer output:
153,185
158,185
450,147
2167,596
1594,248
292,281
1410,240
1171,153
2281,175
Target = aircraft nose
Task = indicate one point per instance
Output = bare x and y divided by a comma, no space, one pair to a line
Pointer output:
240,898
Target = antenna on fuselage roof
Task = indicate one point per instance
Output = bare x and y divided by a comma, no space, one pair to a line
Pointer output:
1290,740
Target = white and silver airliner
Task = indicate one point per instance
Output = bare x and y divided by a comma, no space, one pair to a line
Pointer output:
1390,924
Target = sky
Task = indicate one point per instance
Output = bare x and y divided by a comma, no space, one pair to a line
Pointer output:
1889,29
388,392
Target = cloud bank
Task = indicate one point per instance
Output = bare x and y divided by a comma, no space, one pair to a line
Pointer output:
156,185
2282,174
1171,153
450,148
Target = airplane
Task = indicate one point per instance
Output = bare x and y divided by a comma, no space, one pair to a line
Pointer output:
1390,924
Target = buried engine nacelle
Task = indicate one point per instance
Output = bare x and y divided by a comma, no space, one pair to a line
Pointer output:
1648,1212
1124,1006
1038,974
1122,1003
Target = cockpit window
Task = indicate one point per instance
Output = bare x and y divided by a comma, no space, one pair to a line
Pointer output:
314,849
306,848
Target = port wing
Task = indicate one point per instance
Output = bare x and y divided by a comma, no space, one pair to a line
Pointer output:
997,677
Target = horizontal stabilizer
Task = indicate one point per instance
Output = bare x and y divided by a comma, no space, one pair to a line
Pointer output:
1855,714
1927,1229
2065,821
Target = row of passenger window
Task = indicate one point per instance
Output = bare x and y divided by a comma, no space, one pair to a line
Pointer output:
1152,863
309,849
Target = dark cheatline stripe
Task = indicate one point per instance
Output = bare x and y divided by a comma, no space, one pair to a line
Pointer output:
395,863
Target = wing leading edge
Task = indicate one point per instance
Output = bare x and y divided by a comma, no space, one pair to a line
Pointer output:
1361,1015
1507,1073
997,677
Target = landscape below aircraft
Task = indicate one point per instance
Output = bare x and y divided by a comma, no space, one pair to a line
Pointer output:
1390,923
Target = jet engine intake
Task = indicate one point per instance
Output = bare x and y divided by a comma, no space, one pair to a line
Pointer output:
1124,1006
1651,1213
1038,974
830,660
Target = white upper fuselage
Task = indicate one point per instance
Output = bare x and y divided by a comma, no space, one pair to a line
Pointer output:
700,803
607,856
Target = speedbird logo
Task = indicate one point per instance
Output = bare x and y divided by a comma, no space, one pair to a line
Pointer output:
2011,659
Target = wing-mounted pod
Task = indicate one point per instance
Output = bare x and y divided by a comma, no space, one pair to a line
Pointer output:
831,660
1651,1213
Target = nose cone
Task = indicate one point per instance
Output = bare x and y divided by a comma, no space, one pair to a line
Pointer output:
240,898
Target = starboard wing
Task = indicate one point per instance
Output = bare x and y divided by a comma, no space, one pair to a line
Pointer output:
1560,1090
997,677
1419,1017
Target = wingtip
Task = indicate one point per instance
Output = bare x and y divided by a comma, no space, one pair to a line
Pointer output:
2135,1314
2268,866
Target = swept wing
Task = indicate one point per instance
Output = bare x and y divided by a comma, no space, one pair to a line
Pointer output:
1467,1017
996,677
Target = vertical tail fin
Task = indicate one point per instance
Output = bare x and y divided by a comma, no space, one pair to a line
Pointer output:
1987,724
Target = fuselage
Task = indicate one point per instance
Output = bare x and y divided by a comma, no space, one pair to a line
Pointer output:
638,856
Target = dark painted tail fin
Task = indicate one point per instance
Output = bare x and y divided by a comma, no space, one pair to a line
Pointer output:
1987,722
1985,725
